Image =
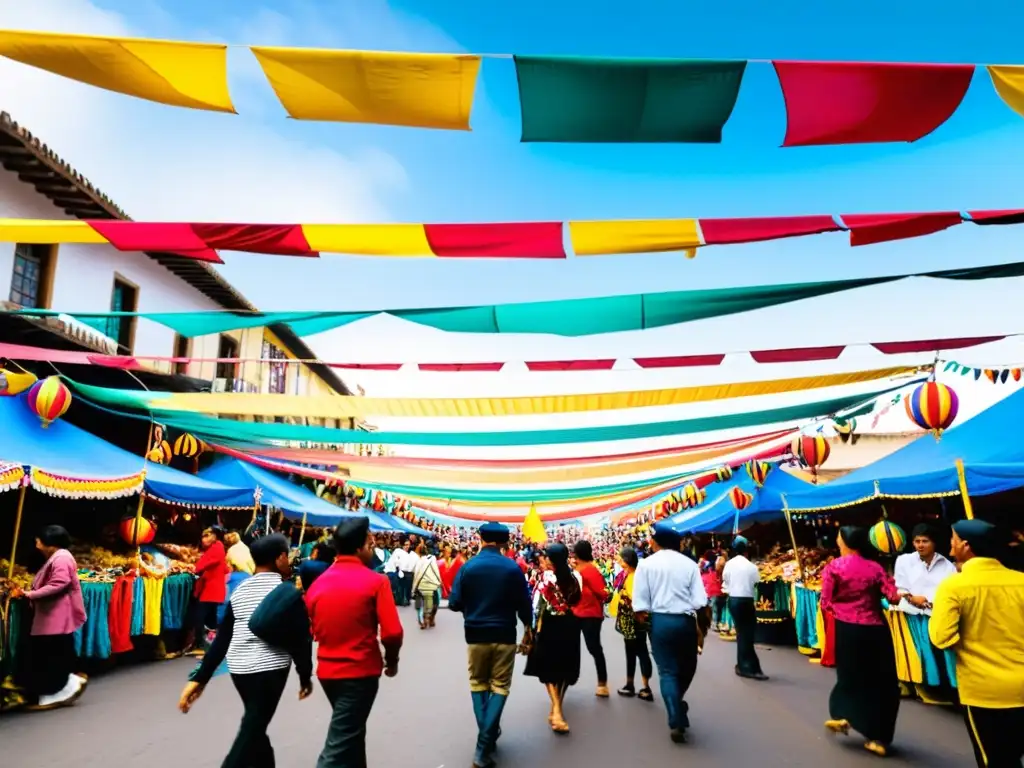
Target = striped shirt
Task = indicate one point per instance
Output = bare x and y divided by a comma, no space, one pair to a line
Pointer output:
247,654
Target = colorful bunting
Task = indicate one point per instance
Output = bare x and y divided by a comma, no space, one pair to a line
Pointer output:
423,90
861,103
595,238
537,240
569,317
870,228
1009,84
728,231
995,375
334,406
191,75
582,99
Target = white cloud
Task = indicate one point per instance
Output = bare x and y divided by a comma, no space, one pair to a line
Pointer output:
165,163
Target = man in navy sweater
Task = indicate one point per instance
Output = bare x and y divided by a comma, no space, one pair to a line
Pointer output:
491,592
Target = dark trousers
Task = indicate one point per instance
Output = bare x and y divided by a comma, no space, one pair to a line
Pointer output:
261,693
396,587
351,701
45,662
744,617
592,637
204,617
997,736
636,649
406,589
674,643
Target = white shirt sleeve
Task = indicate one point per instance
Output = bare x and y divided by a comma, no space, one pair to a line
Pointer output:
726,573
901,574
641,590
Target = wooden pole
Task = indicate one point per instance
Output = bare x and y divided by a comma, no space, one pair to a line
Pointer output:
962,477
302,530
142,495
17,525
792,538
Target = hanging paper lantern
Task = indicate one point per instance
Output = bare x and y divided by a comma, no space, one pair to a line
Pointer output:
846,429
160,453
145,534
49,399
810,450
723,473
12,383
932,406
186,445
693,495
758,471
740,498
888,538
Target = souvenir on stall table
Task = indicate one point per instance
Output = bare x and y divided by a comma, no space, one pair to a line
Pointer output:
49,399
888,538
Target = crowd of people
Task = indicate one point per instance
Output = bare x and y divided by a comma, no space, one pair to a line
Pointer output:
662,598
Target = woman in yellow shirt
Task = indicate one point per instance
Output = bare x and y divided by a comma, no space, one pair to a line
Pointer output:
634,634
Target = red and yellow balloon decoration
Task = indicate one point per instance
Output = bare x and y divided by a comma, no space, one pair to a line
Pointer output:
49,399
723,473
693,495
758,471
740,498
932,406
136,536
810,450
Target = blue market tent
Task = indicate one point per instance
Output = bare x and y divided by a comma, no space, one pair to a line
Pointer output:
64,450
927,467
278,492
719,515
406,527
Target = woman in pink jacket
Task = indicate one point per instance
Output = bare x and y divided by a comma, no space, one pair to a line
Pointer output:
56,598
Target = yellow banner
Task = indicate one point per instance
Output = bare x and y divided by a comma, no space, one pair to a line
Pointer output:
423,90
41,232
599,238
1009,84
450,478
335,407
368,239
180,74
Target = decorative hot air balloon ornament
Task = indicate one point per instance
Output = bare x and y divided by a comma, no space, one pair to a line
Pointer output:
188,446
144,533
846,429
160,453
811,451
13,383
758,471
932,406
723,473
693,495
888,538
740,498
49,399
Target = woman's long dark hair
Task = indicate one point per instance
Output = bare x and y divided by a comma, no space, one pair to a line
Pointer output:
857,539
558,554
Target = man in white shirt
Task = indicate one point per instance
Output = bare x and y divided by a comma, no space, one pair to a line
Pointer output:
393,570
409,562
668,590
739,582
919,573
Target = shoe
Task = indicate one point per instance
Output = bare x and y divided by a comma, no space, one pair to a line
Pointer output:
876,748
678,735
627,690
842,727
602,692
645,694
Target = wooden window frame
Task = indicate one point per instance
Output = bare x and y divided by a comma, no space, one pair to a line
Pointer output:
181,369
47,272
132,321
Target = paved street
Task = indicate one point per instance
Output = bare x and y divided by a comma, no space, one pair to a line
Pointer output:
422,719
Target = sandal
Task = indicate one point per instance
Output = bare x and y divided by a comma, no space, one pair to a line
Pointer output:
841,727
645,694
601,692
876,748
627,690
560,726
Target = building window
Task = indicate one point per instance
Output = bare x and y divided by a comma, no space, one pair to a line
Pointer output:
125,298
227,350
32,276
182,349
277,379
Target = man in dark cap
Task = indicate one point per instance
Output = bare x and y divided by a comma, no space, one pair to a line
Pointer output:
668,590
348,605
979,612
491,592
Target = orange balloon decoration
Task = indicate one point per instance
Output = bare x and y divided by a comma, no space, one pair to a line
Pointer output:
811,450
144,535
49,399
740,498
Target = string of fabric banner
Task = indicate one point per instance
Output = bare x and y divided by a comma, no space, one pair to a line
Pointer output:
562,98
568,317
764,356
497,240
995,375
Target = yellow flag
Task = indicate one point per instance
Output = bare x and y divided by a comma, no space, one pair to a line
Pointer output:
1009,84
597,238
533,527
422,90
180,74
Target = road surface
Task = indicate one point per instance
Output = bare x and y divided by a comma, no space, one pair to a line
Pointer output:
423,719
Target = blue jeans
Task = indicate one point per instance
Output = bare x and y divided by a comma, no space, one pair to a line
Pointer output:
674,644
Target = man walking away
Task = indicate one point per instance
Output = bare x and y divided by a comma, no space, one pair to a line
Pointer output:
349,605
490,592
668,590
739,580
979,612
258,669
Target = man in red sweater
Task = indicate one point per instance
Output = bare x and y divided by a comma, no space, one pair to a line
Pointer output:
349,606
590,610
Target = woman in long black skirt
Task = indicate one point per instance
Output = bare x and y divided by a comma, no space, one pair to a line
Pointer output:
554,658
866,696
